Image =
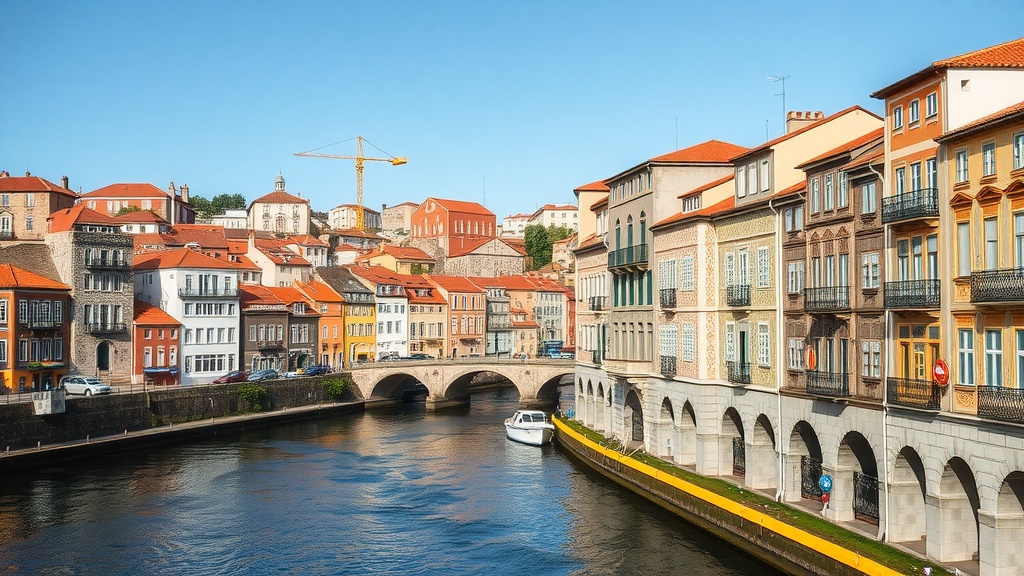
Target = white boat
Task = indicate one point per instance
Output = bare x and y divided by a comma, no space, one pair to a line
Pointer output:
529,427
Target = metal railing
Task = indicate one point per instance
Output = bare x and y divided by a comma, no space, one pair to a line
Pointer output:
628,256
495,324
668,365
595,357
106,327
667,297
832,384
270,344
598,303
865,498
42,323
922,394
737,295
739,457
827,298
97,262
207,292
913,294
810,474
1002,285
1001,403
6,234
737,372
909,205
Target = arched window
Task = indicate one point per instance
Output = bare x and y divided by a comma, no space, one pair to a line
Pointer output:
643,228
618,234
629,231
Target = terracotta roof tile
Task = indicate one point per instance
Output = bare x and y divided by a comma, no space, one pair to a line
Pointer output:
13,277
306,240
29,183
1008,113
876,158
1006,55
848,147
290,295
180,258
598,186
146,314
279,197
713,210
64,220
127,190
453,283
710,152
207,236
460,206
140,217
319,291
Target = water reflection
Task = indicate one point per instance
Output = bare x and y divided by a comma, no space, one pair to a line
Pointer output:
397,491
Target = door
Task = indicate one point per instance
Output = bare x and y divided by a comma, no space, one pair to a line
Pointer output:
103,356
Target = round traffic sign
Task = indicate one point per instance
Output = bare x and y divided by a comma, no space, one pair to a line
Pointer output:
941,372
825,483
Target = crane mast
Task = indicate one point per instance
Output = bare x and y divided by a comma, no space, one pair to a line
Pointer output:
359,160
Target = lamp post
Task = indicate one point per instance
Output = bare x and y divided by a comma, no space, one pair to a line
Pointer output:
783,80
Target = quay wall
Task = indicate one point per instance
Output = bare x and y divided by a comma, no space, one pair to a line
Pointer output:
790,549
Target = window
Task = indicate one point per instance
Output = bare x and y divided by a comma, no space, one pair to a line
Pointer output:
843,199
963,249
667,275
765,175
961,165
868,198
795,348
764,351
689,342
686,273
29,222
815,196
871,366
1018,248
915,176
931,105
3,312
897,118
932,176
993,357
900,181
991,244
1020,357
741,182
751,178
1018,151
914,112
829,192
796,277
763,265
794,218
871,270
730,341
988,159
730,269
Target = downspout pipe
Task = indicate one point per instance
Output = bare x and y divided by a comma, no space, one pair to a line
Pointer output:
780,333
885,395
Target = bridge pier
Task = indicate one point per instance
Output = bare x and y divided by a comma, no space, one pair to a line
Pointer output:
435,404
547,405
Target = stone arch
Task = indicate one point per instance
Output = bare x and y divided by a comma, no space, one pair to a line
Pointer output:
666,445
588,405
1006,528
955,536
907,490
762,474
731,450
687,436
599,412
103,356
633,418
802,463
855,485
397,385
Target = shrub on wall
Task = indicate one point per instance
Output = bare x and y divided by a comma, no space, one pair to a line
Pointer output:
337,387
252,397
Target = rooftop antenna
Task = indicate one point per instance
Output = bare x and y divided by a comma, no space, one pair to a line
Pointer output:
783,94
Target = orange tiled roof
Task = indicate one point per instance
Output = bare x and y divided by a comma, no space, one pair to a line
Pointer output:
794,189
319,291
306,240
127,190
280,255
598,186
180,258
469,244
1008,113
517,244
460,206
596,206
590,242
207,236
279,197
708,186
1006,55
453,283
712,151
64,220
140,217
147,314
13,277
402,253
356,233
290,295
806,128
876,158
256,295
849,146
30,183
713,210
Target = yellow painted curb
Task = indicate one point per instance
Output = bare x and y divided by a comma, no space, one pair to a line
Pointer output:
816,543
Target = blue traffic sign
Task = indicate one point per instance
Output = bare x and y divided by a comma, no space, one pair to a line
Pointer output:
825,483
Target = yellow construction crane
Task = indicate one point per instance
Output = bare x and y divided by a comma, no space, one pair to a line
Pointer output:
359,158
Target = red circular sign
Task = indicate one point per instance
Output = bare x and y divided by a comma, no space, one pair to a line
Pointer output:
941,372
812,359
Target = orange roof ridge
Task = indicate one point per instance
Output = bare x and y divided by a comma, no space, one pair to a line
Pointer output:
13,277
711,151
1006,55
847,147
1007,112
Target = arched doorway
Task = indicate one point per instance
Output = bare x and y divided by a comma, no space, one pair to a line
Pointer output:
588,405
103,356
763,463
666,444
633,419
687,436
803,464
599,423
1006,531
731,450
855,481
906,492
955,536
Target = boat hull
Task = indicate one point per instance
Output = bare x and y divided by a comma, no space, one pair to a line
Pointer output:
534,436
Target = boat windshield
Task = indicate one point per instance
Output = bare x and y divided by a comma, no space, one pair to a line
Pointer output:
533,418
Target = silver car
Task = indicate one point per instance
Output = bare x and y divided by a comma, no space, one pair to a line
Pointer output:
76,384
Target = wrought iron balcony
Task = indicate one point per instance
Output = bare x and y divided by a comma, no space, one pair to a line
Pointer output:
1001,403
499,324
207,292
106,327
270,344
737,372
6,234
114,263
923,203
628,256
668,365
827,299
1002,285
667,297
912,294
598,303
42,323
831,384
595,357
923,394
737,295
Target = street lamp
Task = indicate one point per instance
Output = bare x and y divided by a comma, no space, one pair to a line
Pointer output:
783,80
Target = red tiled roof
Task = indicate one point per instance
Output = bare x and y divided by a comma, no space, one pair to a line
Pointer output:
30,183
849,146
723,206
876,158
524,324
1006,55
127,190
453,283
590,242
356,233
518,217
255,295
180,258
710,152
319,291
279,197
516,282
708,186
598,186
290,295
147,314
144,239
460,206
468,245
13,277
276,251
806,128
1008,113
306,240
347,248
140,217
207,236
595,207
794,189
64,220
405,252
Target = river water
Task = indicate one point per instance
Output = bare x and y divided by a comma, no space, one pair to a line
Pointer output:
395,491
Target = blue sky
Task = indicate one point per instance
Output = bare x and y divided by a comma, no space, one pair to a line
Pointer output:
521,100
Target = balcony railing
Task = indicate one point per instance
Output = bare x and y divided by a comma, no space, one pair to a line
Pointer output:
97,262
270,344
912,294
737,372
207,292
106,327
628,256
1003,285
1001,403
668,365
921,203
832,384
667,297
827,299
595,357
6,234
598,303
923,394
42,323
737,295
495,324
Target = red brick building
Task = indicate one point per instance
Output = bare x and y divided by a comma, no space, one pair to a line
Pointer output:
156,337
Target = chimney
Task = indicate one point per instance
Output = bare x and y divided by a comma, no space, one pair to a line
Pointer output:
184,192
252,239
64,182
171,190
796,120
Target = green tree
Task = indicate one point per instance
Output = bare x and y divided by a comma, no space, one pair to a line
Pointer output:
539,239
127,209
202,205
224,202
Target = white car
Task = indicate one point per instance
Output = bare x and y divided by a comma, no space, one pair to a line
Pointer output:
87,385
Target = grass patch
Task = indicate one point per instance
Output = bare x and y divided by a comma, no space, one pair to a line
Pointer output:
811,523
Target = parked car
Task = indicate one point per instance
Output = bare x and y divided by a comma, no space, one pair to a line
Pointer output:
316,370
421,356
260,375
78,384
234,376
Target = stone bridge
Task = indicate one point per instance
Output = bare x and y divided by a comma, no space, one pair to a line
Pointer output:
447,381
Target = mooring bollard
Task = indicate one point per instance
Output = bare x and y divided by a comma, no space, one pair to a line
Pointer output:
39,445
